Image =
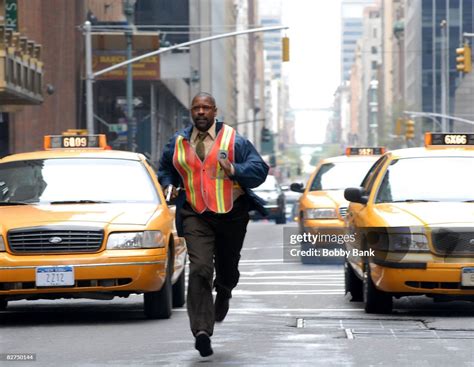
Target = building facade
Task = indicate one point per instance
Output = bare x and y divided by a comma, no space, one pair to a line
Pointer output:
424,51
352,12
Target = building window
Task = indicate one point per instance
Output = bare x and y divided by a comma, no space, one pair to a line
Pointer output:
374,32
374,65
374,50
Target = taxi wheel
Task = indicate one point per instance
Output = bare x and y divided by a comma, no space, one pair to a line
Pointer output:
376,301
3,304
179,291
353,284
158,305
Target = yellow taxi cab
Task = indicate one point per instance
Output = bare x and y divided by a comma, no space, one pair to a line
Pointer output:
79,220
322,207
414,220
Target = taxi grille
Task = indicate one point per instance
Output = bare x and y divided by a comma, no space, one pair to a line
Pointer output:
343,211
454,242
51,240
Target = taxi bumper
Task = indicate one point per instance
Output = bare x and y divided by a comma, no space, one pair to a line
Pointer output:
421,278
119,271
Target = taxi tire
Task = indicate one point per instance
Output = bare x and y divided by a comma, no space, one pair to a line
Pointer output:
353,284
376,301
179,296
158,304
3,304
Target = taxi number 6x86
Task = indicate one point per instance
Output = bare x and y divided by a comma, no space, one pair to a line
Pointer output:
455,139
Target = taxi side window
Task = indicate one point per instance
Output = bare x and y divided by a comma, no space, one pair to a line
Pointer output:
369,178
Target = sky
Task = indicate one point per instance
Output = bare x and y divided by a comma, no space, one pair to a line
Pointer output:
314,67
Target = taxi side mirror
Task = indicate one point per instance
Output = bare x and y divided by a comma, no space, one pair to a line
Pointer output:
297,187
356,195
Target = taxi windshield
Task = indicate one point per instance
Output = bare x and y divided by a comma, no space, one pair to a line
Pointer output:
428,179
76,180
338,176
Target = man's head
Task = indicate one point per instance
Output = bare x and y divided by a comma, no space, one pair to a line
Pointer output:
203,111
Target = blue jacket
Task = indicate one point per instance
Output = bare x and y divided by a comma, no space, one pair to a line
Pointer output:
250,169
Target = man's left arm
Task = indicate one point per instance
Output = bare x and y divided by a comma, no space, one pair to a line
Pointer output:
250,170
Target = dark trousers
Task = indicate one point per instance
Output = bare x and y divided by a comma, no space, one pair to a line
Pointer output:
213,241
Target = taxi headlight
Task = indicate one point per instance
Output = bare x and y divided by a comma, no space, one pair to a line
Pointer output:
135,240
326,213
414,242
2,244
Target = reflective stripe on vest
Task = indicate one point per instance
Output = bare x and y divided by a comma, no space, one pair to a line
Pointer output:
205,183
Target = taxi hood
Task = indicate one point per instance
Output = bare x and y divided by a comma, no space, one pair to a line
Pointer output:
77,214
430,214
327,199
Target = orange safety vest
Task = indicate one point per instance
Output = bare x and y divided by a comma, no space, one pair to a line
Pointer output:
206,185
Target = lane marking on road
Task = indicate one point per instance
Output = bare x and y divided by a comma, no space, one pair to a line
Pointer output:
315,277
349,333
300,323
288,292
279,311
337,272
261,260
296,284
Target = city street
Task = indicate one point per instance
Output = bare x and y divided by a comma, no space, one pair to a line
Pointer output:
281,314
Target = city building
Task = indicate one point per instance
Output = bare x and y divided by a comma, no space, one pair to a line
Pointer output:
352,12
38,27
424,51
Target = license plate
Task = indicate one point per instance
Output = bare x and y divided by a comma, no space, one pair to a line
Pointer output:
54,276
467,277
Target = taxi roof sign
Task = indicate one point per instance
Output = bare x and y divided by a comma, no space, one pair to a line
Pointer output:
68,141
365,151
449,139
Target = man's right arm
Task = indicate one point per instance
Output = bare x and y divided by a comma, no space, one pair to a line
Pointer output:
167,174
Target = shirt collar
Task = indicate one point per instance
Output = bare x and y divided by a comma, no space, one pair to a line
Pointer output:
211,132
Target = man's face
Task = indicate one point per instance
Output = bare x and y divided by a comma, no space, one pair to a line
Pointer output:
203,112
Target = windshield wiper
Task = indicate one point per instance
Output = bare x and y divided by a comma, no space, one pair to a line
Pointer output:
79,202
415,201
468,201
6,203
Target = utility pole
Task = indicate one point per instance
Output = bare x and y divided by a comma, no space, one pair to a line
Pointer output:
129,12
444,76
89,78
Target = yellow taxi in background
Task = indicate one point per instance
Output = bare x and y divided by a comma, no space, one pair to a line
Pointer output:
322,206
81,221
414,214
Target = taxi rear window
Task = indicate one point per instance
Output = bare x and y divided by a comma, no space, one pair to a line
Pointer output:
68,180
428,179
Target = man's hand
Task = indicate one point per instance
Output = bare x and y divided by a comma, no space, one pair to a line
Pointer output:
174,192
227,167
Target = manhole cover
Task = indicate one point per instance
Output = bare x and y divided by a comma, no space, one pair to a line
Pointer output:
382,328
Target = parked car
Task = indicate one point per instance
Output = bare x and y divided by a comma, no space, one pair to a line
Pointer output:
291,200
271,192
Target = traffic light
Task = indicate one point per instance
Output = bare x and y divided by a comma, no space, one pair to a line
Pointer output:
266,135
285,49
409,129
398,126
464,59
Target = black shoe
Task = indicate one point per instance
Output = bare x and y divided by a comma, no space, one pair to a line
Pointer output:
203,344
221,306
